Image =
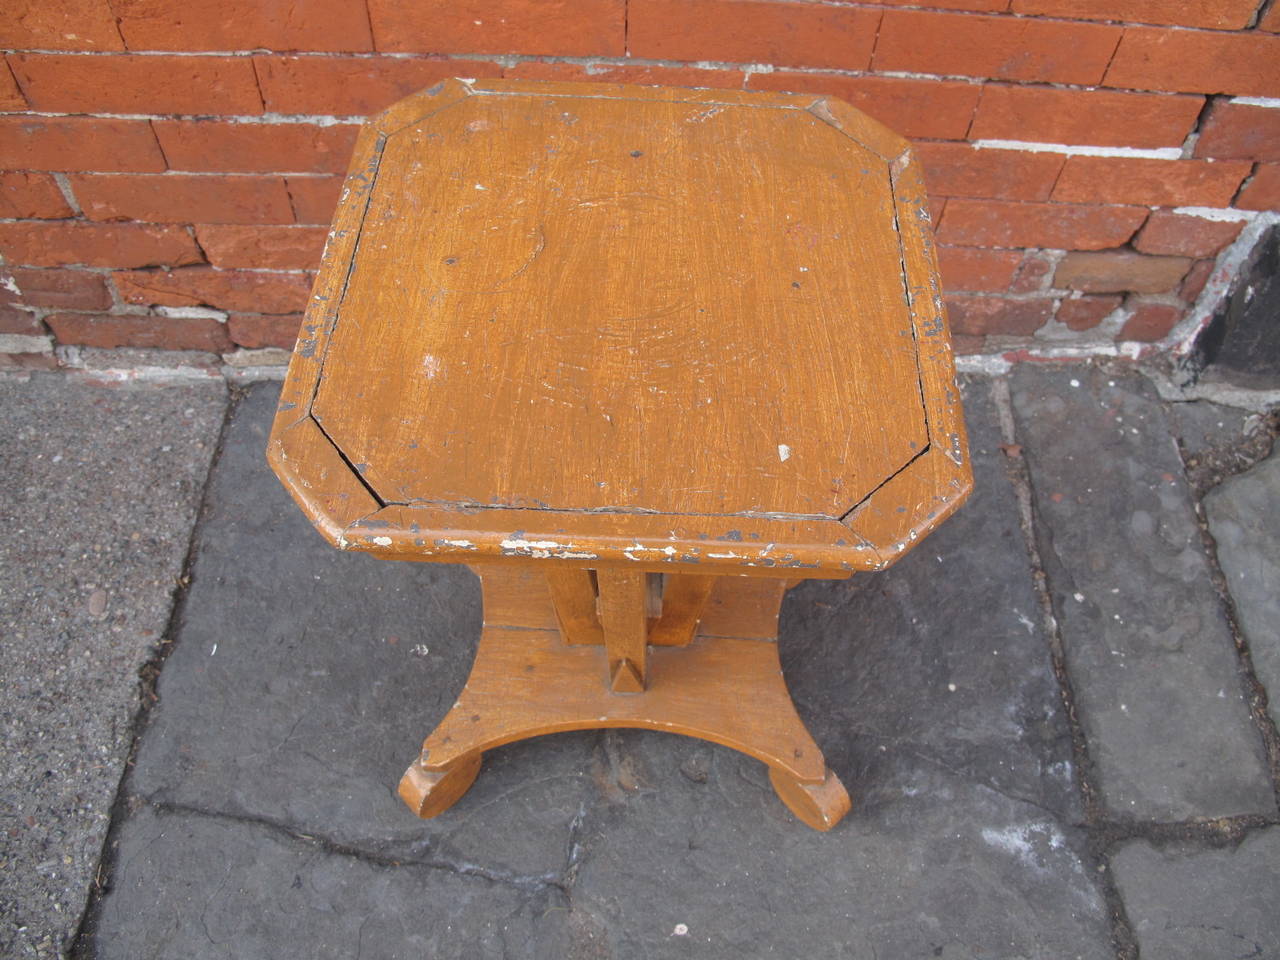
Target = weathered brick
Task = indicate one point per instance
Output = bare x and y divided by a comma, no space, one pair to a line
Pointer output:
78,143
935,109
15,321
1214,14
1262,192
1096,117
184,199
128,330
11,97
54,289
643,74
243,25
1172,234
1085,313
1270,20
1240,130
256,147
748,31
353,86
314,198
243,291
997,223
977,268
1031,275
998,316
960,170
1194,282
61,25
262,247
97,244
31,195
1196,61
1009,48
66,83
966,344
1119,271
28,361
1149,322
580,28
1157,183
256,330
937,206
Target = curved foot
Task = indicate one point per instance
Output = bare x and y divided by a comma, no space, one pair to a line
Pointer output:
431,792
819,805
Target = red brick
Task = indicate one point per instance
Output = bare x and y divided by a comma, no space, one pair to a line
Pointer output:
749,31
1196,61
977,268
1085,313
14,320
244,291
78,143
184,199
965,344
314,198
643,74
58,25
937,206
1157,183
272,248
564,28
1270,20
55,289
1149,322
1102,118
353,86
31,195
125,330
256,147
1172,234
1119,271
1238,130
999,316
1196,278
65,83
97,244
11,97
28,361
935,109
255,330
1031,275
959,170
1009,48
978,6
997,223
1214,14
1262,192
243,25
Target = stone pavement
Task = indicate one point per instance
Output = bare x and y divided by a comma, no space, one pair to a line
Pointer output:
1052,716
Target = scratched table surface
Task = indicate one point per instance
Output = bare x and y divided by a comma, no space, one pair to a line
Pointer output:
607,323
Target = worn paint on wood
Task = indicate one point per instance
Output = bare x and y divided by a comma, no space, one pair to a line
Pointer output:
599,323
644,357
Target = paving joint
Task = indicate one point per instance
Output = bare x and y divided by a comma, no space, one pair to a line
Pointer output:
1123,940
81,942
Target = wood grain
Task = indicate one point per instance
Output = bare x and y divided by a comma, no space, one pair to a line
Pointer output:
650,325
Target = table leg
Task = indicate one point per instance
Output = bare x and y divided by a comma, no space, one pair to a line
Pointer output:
527,681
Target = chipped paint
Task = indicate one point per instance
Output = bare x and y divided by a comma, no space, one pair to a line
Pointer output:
784,452
382,541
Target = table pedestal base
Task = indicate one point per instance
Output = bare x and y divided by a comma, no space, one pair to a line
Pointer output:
527,681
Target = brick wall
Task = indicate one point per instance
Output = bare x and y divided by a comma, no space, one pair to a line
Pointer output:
167,169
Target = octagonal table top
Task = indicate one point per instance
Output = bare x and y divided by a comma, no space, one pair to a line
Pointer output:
626,324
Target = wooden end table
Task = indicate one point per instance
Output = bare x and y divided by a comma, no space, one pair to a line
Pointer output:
642,358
